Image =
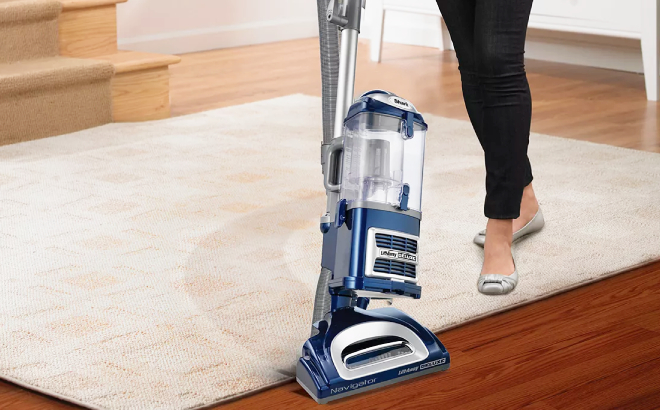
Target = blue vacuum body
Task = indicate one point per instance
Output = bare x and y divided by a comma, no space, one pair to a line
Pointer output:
371,249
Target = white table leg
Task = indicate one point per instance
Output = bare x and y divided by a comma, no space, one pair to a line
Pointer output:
378,27
445,38
651,47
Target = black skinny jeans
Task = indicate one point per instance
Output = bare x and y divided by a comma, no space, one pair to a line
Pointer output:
489,38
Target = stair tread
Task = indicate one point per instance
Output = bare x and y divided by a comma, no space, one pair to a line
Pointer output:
129,61
14,11
84,4
51,72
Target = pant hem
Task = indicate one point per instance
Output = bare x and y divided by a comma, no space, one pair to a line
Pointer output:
505,217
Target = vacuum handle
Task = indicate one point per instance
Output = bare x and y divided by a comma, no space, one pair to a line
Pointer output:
337,13
332,165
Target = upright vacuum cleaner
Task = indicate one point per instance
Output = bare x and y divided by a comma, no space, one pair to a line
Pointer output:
373,159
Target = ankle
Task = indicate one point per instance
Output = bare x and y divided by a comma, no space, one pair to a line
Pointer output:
529,203
497,246
499,230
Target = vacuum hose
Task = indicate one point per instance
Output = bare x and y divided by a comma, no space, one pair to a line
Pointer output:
329,42
329,45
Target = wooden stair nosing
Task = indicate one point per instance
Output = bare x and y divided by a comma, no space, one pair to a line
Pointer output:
140,89
86,4
131,61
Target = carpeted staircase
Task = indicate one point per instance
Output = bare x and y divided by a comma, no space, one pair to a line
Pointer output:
41,93
27,28
60,70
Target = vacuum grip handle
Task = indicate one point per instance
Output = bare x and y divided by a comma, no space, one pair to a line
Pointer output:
332,164
336,13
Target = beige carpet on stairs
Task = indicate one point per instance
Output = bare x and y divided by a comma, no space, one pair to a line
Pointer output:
28,29
53,96
172,264
42,94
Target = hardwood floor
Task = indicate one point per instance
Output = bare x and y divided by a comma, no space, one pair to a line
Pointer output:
597,347
569,101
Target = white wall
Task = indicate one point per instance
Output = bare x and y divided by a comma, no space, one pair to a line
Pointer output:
182,26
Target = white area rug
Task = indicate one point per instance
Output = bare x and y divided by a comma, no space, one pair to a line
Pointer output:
170,265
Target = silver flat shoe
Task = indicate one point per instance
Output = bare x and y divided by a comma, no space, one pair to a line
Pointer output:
536,224
493,284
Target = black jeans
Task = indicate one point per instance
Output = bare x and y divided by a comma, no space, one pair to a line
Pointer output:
489,38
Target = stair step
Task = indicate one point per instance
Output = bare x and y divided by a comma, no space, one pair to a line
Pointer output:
53,96
30,75
141,87
28,29
128,61
86,4
88,28
13,11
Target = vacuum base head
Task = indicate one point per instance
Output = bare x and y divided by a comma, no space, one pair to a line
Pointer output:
311,389
357,350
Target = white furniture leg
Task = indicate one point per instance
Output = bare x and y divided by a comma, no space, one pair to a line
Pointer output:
378,27
378,10
445,38
651,47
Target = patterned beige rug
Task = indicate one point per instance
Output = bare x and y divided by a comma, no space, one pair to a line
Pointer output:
172,264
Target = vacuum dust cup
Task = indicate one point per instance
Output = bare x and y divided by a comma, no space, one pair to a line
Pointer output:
378,136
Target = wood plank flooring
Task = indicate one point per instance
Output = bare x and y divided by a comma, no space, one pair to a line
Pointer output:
597,347
569,101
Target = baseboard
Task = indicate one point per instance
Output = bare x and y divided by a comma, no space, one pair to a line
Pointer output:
188,41
585,49
570,48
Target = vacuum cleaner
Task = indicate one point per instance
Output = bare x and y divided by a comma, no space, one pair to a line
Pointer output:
373,159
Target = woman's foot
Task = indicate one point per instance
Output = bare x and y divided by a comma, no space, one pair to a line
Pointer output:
498,275
530,219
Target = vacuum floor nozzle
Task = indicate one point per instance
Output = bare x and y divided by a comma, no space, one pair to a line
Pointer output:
364,386
379,347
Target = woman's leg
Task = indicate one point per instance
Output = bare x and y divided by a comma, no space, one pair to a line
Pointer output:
460,17
500,31
489,37
499,49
